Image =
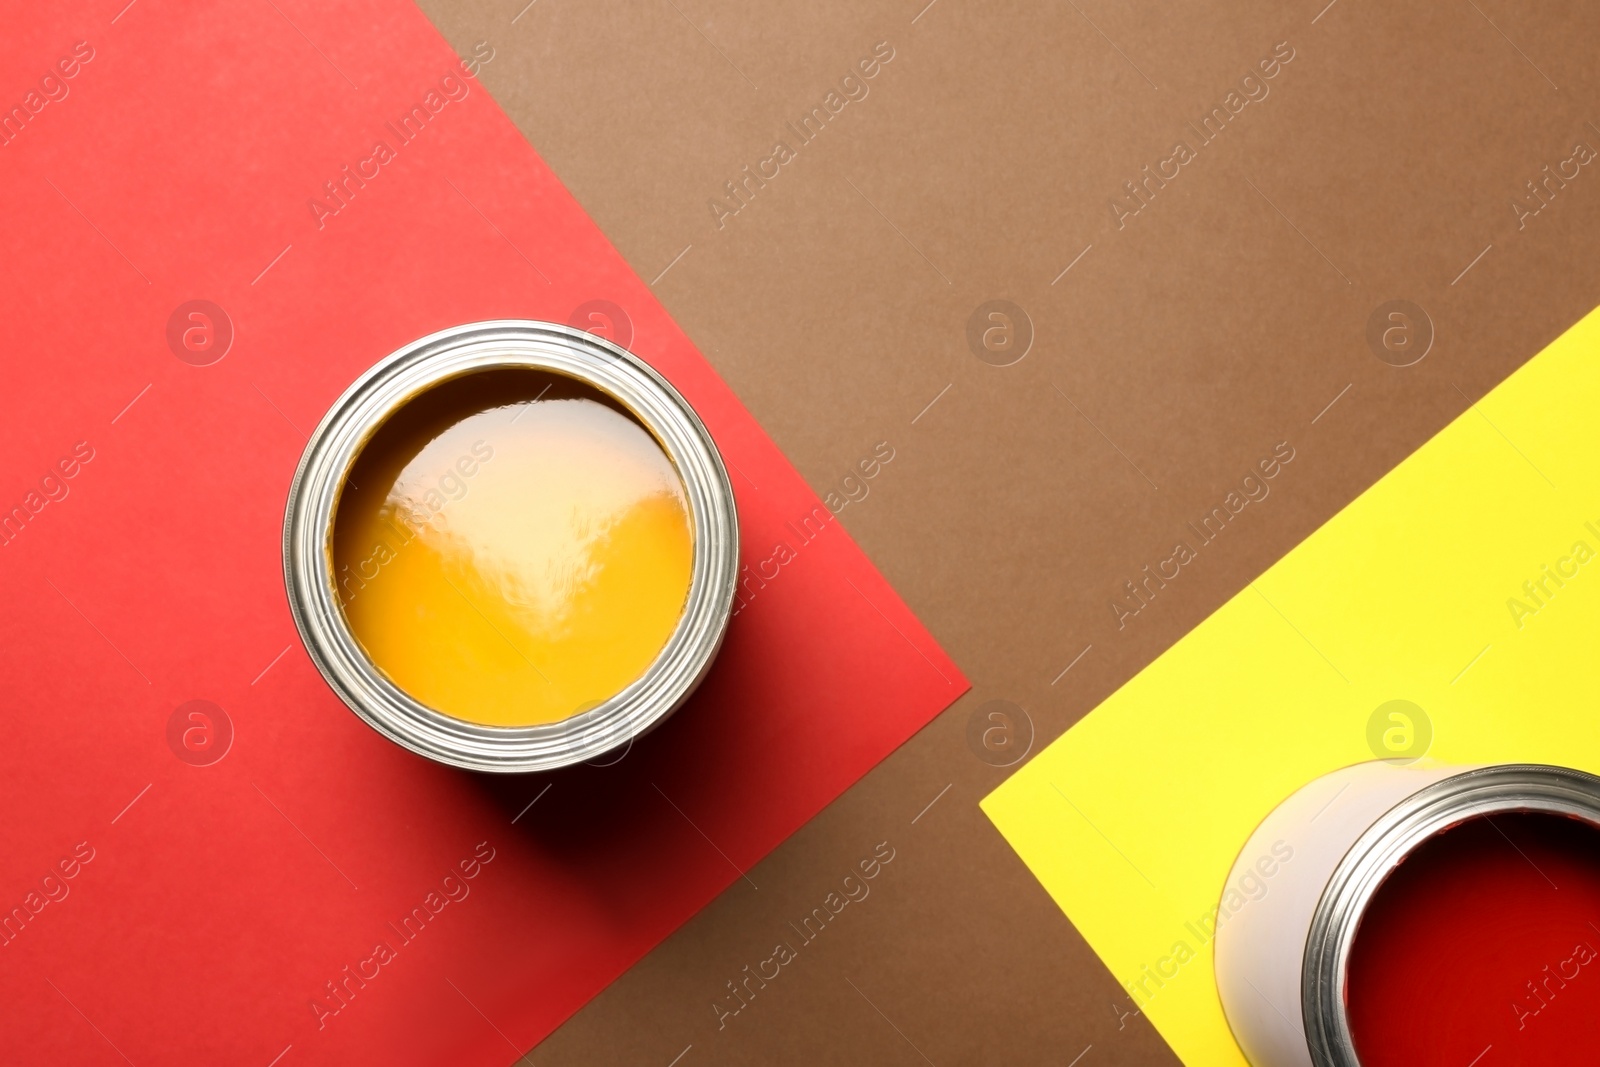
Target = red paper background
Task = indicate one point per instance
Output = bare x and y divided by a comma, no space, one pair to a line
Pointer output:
217,905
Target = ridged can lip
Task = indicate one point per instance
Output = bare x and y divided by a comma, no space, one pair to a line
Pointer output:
1482,791
453,353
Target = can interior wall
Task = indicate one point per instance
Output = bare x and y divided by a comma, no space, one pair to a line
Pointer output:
411,371
1282,957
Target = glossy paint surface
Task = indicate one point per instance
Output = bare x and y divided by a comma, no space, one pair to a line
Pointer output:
512,547
1483,943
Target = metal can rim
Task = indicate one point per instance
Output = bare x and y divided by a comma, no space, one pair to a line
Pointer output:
452,353
1481,791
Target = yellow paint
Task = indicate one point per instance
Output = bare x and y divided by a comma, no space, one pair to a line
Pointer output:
1133,818
512,548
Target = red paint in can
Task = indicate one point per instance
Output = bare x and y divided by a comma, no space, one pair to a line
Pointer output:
1483,947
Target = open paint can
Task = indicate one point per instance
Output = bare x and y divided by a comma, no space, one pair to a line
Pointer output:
1418,914
511,546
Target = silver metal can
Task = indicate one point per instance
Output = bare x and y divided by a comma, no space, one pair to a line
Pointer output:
451,354
1282,960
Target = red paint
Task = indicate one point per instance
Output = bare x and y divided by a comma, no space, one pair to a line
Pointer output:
1486,938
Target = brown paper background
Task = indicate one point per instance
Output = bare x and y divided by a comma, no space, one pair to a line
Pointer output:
1219,321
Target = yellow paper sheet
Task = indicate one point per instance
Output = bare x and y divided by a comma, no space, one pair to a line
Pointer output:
1132,819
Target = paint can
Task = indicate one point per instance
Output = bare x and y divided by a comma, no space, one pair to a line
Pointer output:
1283,954
446,357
